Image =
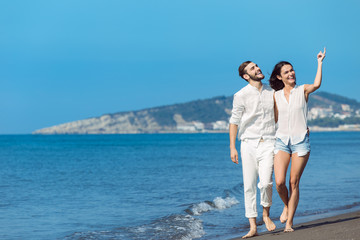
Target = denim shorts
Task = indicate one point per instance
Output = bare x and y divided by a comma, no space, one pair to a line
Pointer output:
301,148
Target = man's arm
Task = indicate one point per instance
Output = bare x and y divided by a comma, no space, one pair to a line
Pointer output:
235,119
233,130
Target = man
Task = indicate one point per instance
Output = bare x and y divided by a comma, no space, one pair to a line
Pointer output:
253,115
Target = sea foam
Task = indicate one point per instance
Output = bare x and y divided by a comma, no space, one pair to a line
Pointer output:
217,204
184,227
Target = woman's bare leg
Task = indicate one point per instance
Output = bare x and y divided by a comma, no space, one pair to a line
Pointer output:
297,168
281,164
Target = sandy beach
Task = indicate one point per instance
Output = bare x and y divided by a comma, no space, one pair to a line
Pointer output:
341,227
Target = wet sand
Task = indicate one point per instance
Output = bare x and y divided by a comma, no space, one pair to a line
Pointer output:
341,227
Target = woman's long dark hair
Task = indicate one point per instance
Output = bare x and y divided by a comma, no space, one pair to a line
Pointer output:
274,82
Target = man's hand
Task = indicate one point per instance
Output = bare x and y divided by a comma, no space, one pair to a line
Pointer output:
233,130
234,155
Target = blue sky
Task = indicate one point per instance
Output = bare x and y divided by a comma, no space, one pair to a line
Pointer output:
68,60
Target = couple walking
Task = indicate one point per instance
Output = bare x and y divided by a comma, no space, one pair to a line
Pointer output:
271,122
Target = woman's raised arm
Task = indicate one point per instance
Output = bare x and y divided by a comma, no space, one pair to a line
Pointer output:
309,88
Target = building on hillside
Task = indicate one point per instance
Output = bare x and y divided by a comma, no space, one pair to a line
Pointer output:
220,125
199,126
345,107
186,127
317,112
194,126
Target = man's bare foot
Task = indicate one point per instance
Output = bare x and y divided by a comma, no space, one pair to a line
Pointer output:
283,216
270,225
251,233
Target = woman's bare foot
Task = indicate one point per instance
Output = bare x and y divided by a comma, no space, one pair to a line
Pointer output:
288,229
251,233
283,216
270,225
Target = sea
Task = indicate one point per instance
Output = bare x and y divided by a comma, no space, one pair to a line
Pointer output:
155,186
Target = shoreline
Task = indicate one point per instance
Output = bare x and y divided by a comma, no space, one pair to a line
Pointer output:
344,226
311,128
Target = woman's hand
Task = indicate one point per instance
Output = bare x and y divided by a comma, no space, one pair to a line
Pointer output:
321,55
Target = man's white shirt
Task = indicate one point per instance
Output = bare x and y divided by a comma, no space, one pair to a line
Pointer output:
253,112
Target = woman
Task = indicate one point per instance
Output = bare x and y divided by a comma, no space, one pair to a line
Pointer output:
292,138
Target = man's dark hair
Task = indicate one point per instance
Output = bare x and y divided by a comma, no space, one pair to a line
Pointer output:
242,69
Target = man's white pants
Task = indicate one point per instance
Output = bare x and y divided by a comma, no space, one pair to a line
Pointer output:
257,162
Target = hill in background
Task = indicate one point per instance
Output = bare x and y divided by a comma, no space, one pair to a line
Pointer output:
326,110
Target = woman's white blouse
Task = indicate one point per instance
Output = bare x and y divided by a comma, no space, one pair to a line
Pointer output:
292,116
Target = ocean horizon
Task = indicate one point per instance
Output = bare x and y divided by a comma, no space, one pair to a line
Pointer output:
154,186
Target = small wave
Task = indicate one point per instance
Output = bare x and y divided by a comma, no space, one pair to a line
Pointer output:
182,227
217,204
228,202
176,226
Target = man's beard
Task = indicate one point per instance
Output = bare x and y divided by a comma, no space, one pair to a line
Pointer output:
258,79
